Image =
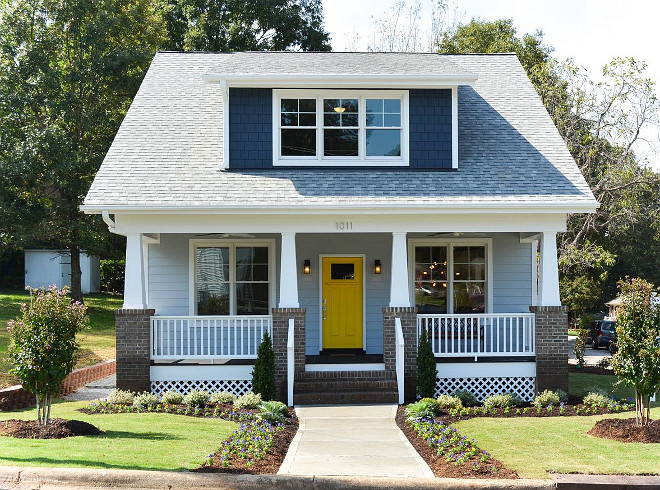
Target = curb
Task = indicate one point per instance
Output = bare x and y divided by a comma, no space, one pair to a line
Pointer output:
14,477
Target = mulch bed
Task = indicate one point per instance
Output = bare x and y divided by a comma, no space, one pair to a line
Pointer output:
572,368
442,468
625,430
267,466
57,429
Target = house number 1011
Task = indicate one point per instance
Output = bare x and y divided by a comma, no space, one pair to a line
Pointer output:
344,225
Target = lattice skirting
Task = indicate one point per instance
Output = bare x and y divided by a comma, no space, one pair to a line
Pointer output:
236,386
524,387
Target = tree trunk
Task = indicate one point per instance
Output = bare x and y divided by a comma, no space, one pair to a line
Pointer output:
76,275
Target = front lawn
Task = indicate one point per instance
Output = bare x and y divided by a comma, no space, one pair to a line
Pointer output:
97,343
144,441
579,383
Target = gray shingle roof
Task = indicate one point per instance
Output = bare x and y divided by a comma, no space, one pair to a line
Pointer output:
169,147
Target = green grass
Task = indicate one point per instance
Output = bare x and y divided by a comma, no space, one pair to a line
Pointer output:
573,332
581,383
96,344
145,441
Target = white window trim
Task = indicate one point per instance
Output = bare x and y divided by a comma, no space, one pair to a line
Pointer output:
450,244
231,244
320,160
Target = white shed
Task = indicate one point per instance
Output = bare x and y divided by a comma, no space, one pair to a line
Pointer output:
46,267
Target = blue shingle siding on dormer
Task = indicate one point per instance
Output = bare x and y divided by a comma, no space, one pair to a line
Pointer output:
250,128
430,128
251,131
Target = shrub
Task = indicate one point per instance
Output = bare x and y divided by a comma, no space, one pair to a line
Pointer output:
597,390
446,403
426,407
580,345
223,397
145,400
249,400
595,399
563,396
172,397
503,400
196,398
263,374
426,368
112,275
466,398
43,344
604,362
121,397
273,412
546,398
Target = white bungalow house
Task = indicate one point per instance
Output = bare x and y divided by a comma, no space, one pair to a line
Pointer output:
343,202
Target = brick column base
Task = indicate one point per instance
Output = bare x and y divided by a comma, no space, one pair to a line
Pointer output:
408,318
133,360
281,318
551,347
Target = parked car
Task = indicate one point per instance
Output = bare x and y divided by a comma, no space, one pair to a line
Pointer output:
602,333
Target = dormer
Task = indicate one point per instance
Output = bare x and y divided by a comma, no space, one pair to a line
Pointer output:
346,110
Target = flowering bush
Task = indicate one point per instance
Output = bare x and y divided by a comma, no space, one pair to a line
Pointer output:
145,400
223,397
502,401
196,398
546,398
121,397
43,344
249,400
172,397
446,403
595,399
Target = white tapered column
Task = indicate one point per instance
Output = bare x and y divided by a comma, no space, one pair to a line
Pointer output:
288,273
549,271
399,293
134,283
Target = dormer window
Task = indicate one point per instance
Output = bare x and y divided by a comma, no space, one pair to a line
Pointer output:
340,128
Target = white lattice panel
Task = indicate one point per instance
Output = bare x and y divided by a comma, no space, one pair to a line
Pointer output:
482,388
237,386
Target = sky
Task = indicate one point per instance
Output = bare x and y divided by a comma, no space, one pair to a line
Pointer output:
591,32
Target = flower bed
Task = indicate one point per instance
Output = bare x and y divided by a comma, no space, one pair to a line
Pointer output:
221,410
447,452
56,429
626,430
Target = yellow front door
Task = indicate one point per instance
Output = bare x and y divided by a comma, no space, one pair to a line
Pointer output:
341,302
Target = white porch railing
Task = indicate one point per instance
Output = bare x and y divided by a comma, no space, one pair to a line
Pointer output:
399,350
208,337
497,334
290,362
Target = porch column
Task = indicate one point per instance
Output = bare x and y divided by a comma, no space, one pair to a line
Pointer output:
399,294
134,284
288,273
549,271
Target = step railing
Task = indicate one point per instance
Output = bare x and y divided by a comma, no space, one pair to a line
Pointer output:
290,362
208,337
399,358
490,334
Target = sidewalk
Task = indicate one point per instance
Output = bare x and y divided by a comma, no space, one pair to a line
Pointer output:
352,440
95,390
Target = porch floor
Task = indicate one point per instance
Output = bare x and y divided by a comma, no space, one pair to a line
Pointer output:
344,356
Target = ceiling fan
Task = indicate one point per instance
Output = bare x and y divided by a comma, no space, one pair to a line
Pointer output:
456,234
227,235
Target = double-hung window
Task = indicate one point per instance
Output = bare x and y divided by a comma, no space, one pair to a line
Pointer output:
340,128
231,278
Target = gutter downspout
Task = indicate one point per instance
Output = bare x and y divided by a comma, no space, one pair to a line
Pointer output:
106,219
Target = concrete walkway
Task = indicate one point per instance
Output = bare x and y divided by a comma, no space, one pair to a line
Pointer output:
95,390
352,440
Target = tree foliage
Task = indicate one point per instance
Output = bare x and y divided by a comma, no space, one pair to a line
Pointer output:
43,344
637,360
263,373
244,25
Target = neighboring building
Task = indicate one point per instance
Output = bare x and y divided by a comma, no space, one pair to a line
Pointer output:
359,198
43,268
613,305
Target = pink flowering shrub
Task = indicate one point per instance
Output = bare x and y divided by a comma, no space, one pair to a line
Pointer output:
43,344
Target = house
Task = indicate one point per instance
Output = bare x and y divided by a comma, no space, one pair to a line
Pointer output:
343,202
44,268
612,306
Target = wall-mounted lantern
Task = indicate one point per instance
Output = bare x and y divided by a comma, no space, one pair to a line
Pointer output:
307,267
377,267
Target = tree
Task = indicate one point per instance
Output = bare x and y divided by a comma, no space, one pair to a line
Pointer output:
426,368
637,360
43,344
68,72
263,374
244,25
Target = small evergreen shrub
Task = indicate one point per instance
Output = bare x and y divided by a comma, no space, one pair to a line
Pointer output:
426,368
196,398
223,397
247,401
426,407
466,398
145,400
563,396
547,398
263,374
273,412
447,403
172,397
595,399
121,397
503,400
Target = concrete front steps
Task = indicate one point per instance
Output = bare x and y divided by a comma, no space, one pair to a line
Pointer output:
334,387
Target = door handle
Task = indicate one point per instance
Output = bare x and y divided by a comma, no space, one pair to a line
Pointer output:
325,302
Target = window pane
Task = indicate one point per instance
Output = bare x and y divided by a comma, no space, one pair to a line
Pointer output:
351,105
331,120
307,119
469,297
340,142
349,120
477,272
392,120
374,106
214,300
392,105
330,104
461,255
298,142
375,120
308,105
423,254
439,255
289,105
384,142
252,298
461,272
260,272
212,274
431,298
289,119
342,271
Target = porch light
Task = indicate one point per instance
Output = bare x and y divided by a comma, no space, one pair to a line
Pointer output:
377,267
307,267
